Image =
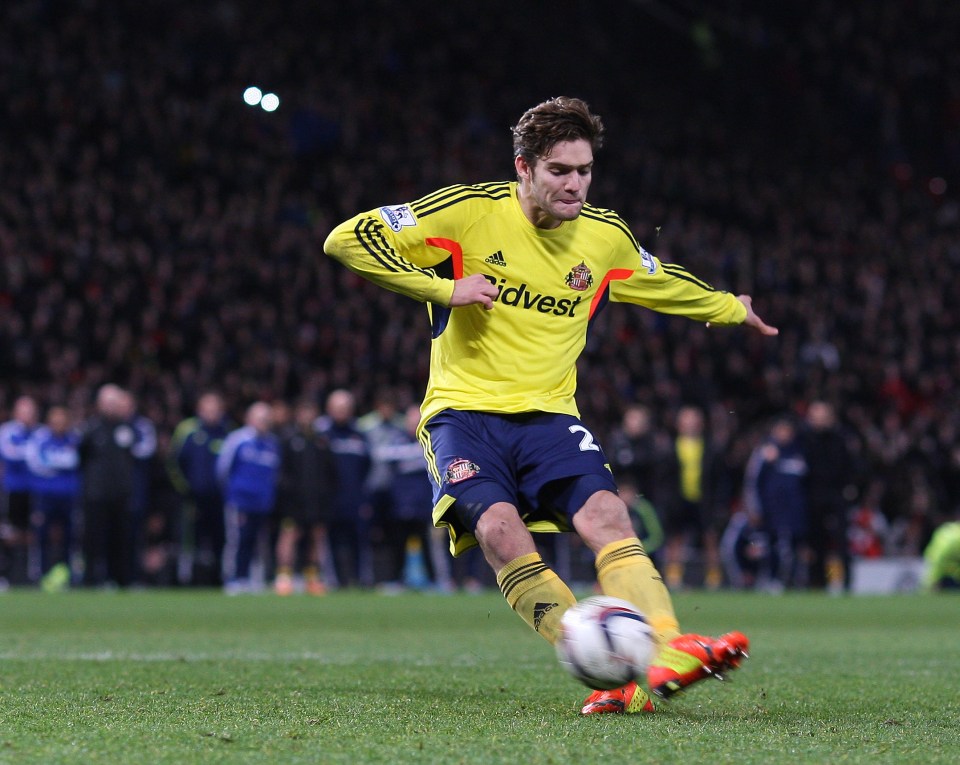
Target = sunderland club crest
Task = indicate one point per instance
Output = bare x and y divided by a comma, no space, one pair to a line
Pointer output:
579,278
461,470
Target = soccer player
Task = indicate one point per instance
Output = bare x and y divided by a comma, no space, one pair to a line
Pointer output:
513,272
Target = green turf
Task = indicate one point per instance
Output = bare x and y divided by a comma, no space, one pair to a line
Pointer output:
177,677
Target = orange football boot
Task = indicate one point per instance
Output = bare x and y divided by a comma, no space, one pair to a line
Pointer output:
628,699
688,659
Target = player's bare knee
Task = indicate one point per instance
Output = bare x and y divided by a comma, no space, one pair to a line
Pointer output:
603,519
502,535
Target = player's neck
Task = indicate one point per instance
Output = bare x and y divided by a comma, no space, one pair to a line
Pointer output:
539,217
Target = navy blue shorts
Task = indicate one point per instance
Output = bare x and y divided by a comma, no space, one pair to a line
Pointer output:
545,465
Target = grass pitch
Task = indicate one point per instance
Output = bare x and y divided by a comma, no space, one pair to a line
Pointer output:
196,677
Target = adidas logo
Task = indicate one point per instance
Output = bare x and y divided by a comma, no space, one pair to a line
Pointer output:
539,611
496,259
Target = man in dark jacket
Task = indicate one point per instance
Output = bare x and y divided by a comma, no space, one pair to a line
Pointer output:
830,485
307,487
193,470
775,491
351,514
107,464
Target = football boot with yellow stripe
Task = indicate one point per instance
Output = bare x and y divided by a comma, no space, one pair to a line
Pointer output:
688,659
629,699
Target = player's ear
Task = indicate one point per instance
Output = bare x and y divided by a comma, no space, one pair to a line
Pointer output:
523,168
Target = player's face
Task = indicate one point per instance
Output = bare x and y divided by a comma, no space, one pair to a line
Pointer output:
555,188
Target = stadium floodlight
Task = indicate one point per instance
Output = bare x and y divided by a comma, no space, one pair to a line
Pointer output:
270,102
252,95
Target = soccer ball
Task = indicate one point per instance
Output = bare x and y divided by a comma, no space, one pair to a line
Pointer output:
604,642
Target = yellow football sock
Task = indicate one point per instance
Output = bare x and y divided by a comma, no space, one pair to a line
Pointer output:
675,572
835,572
536,593
714,578
624,570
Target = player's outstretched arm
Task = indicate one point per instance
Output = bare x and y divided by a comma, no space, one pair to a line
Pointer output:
755,321
473,289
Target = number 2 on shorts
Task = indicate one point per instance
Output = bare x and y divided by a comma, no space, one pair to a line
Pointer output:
586,443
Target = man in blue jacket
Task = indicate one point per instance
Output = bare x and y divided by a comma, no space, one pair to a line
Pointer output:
192,466
53,456
15,494
248,468
775,492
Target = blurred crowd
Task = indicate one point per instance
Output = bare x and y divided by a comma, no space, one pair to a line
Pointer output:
290,497
161,239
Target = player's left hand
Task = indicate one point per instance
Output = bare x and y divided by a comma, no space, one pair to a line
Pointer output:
755,321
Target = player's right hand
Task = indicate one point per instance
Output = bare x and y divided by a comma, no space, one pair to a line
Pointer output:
473,289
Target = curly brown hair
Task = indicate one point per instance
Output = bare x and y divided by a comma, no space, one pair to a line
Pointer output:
555,120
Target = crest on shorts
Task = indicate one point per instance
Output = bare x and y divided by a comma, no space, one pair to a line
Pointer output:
460,470
579,278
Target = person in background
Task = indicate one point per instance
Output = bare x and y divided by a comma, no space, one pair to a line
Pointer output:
351,514
635,455
144,453
775,491
53,456
638,456
418,548
689,522
192,465
831,481
15,535
159,560
868,529
248,468
382,425
306,490
643,515
942,557
107,464
744,550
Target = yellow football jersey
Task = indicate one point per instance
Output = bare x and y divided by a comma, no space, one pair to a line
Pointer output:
521,356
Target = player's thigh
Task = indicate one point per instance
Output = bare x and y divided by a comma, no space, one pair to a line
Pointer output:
562,464
469,464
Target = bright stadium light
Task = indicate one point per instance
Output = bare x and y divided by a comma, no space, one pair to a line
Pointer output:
252,95
270,102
